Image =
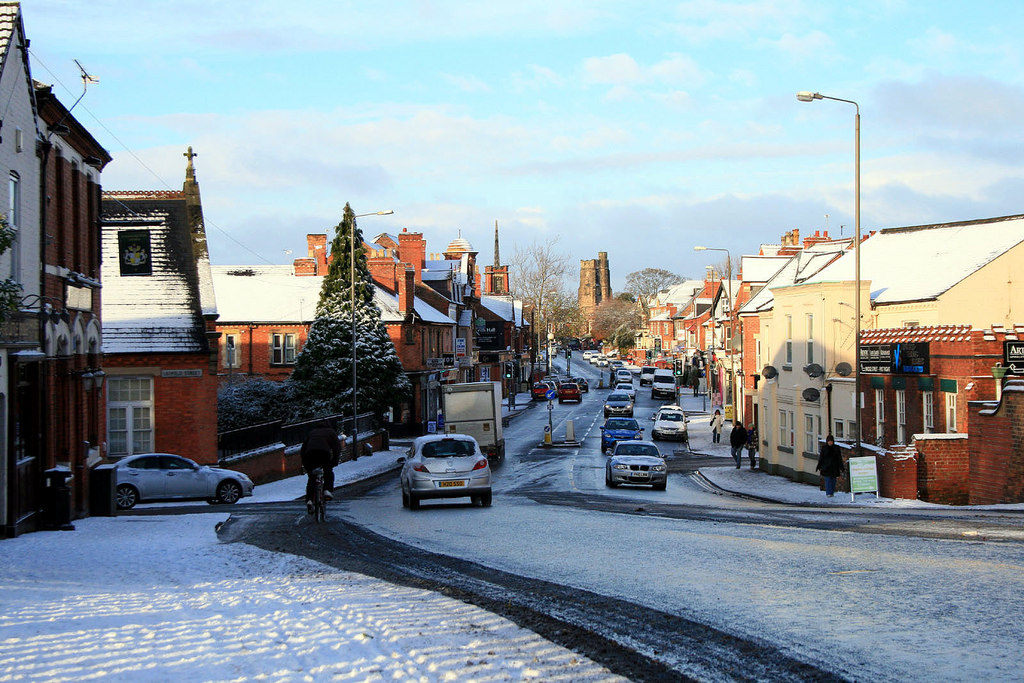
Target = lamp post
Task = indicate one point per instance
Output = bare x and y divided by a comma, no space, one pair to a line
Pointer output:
352,288
732,329
807,96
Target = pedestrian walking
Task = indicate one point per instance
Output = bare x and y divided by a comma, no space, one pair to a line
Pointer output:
752,445
830,464
717,421
695,381
737,440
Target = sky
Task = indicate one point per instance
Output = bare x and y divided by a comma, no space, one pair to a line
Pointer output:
640,129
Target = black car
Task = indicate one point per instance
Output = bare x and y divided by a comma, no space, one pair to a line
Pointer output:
583,383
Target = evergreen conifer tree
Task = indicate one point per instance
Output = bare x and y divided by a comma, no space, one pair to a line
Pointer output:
322,380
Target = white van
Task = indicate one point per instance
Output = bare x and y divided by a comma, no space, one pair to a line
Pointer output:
663,384
646,374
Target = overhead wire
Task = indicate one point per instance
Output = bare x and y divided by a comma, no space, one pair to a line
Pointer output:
141,163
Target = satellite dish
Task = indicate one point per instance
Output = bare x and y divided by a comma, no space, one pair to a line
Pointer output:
769,372
844,369
814,370
811,394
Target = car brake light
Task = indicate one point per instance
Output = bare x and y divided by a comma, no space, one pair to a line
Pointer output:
480,464
420,468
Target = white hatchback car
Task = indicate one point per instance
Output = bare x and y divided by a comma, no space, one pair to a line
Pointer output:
445,466
670,423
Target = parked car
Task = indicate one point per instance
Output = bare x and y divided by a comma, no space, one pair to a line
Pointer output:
540,390
583,383
636,462
626,388
445,466
569,391
617,429
618,403
149,477
670,424
646,375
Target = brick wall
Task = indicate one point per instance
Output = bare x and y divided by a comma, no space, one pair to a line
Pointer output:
267,465
943,468
897,472
184,408
997,449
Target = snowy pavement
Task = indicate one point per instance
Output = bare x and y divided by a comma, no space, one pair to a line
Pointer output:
159,598
155,598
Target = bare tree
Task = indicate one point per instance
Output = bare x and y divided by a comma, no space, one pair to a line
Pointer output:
617,321
538,278
645,284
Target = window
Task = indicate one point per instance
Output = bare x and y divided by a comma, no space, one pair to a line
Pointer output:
787,428
789,340
950,413
283,349
837,429
810,437
129,415
232,357
879,414
757,356
928,411
901,416
810,338
14,222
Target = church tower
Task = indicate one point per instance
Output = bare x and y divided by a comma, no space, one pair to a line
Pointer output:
595,283
496,275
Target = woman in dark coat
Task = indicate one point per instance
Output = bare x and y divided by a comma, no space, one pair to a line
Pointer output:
830,464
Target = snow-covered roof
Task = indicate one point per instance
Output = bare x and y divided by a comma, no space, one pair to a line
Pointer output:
920,263
757,268
505,307
156,312
265,294
797,269
680,293
274,294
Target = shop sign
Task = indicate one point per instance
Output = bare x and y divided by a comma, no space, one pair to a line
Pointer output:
905,358
1013,356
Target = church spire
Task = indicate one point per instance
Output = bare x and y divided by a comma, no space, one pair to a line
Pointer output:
497,258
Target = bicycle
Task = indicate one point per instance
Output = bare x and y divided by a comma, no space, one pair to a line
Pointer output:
319,511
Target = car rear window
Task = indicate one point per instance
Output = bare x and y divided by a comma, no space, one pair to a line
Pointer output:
447,449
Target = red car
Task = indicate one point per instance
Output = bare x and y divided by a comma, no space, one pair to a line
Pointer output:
569,391
540,390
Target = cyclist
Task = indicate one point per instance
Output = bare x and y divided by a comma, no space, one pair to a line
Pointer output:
320,449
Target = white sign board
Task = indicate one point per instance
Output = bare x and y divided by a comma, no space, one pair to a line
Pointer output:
863,475
460,347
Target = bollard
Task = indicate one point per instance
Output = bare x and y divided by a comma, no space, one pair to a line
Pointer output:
547,436
570,431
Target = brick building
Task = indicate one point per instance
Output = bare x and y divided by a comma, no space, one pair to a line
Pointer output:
159,338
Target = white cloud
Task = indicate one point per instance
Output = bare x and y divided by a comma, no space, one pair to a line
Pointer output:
619,69
470,84
815,45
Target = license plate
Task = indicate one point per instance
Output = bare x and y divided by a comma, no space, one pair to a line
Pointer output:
451,483
639,475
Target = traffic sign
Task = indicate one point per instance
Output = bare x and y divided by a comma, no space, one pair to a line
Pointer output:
551,395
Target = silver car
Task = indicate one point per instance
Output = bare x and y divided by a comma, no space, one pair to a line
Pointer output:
163,476
618,403
445,466
636,462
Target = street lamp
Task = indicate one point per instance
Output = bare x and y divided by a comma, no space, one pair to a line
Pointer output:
352,286
807,96
732,328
